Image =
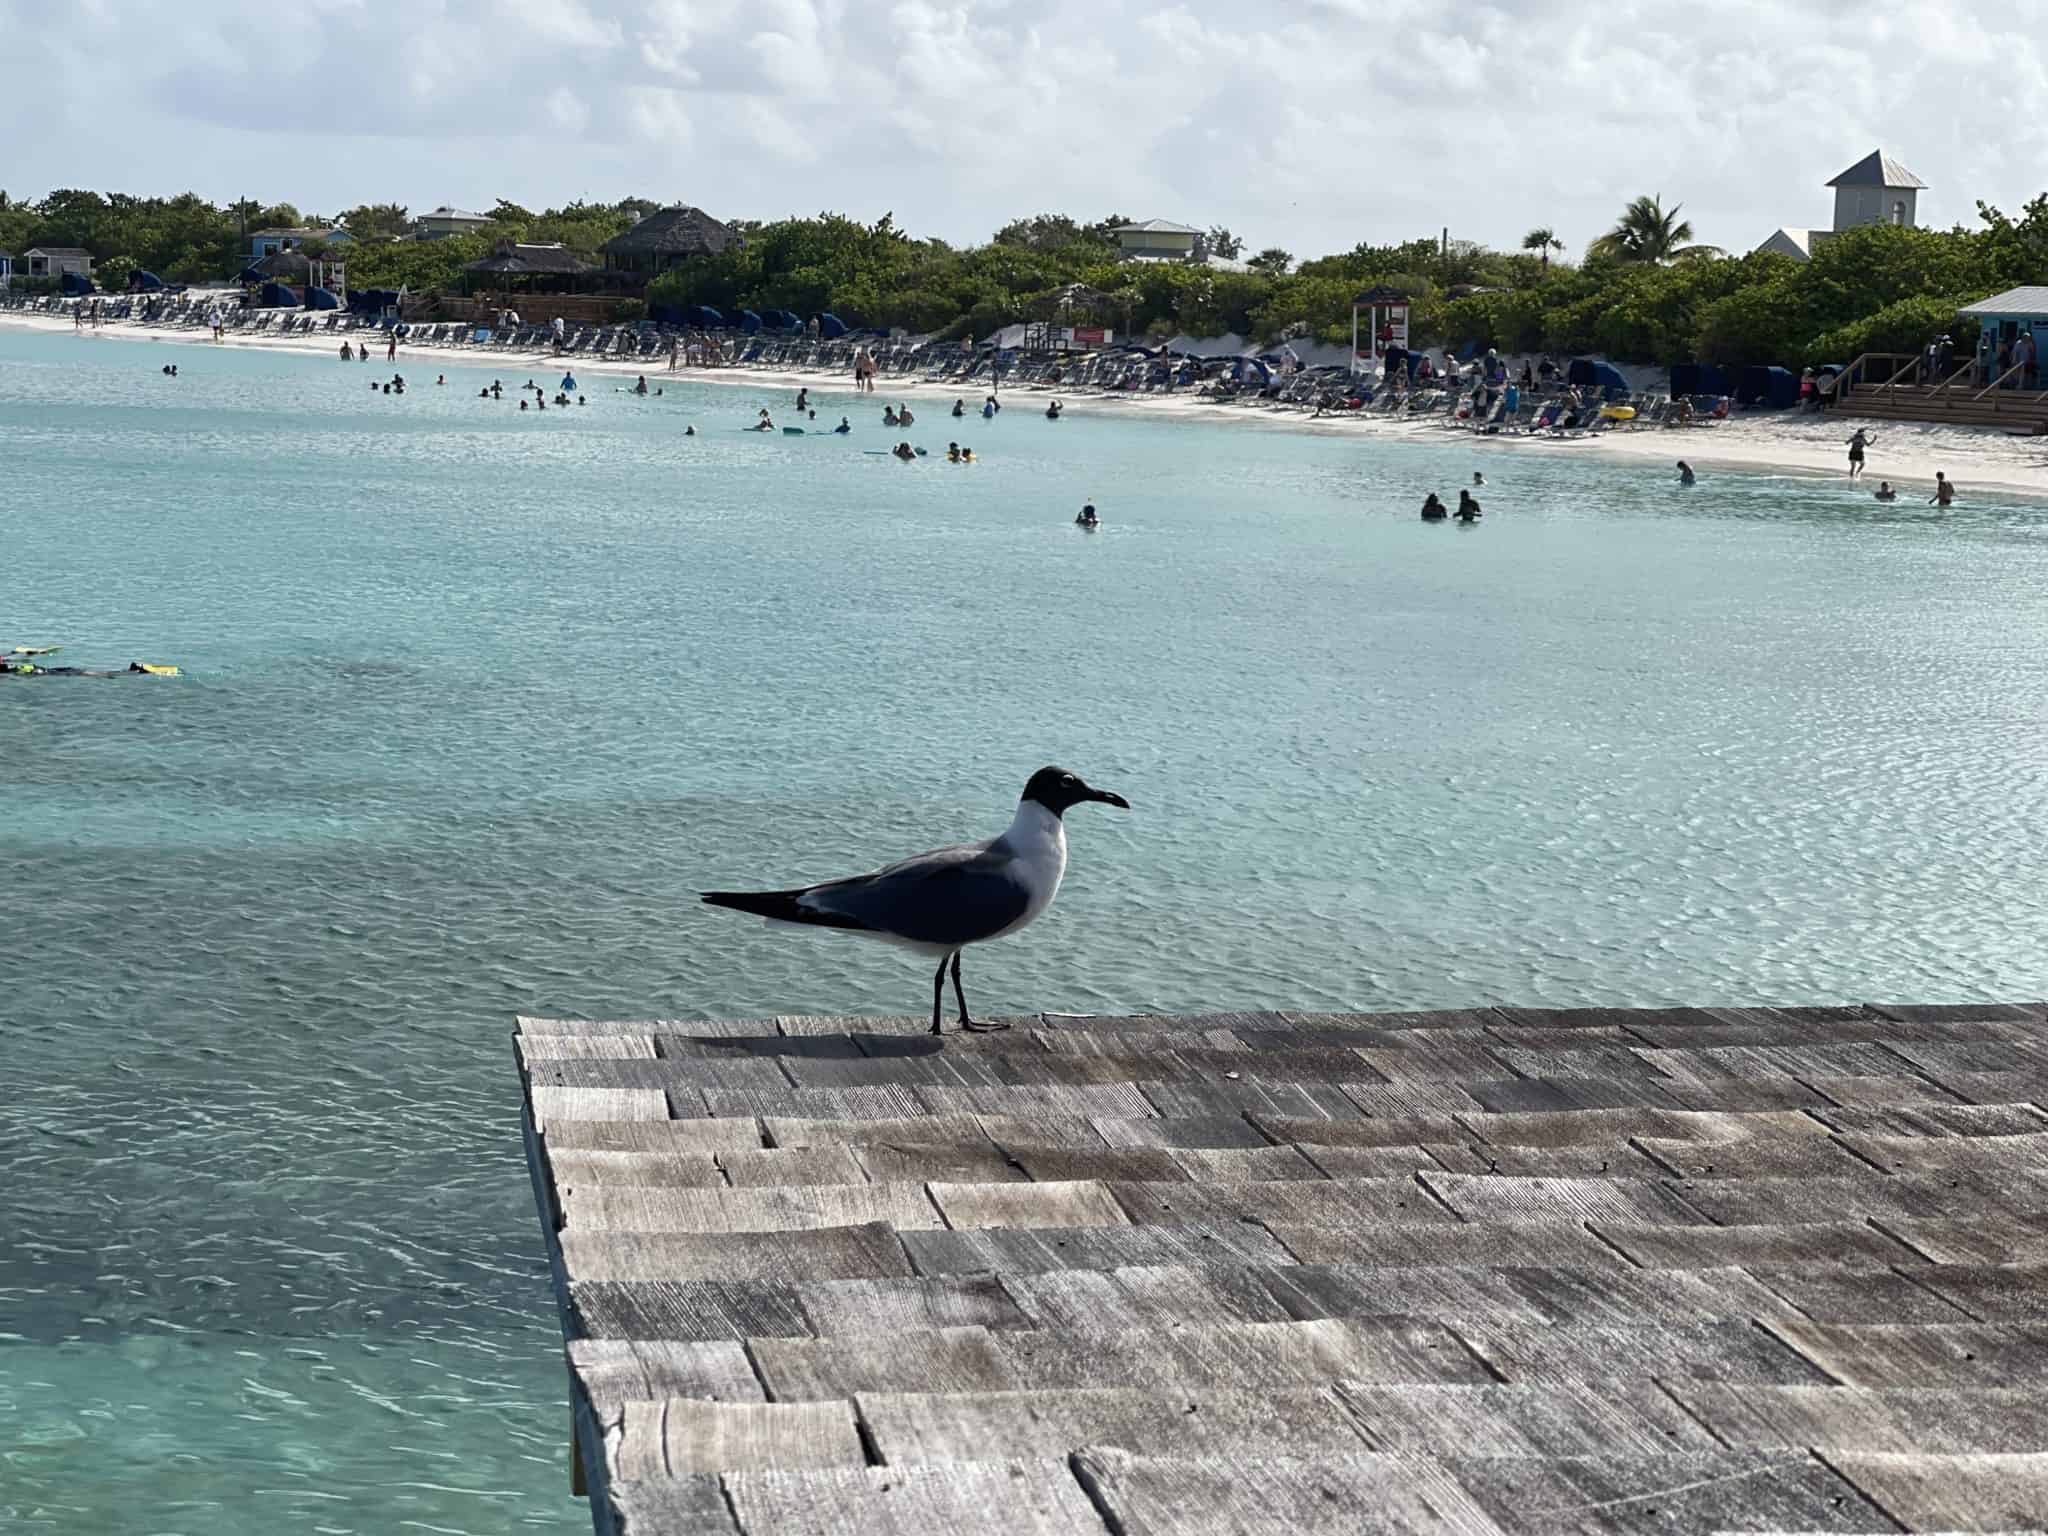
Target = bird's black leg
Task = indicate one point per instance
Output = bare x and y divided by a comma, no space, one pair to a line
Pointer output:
976,1026
939,991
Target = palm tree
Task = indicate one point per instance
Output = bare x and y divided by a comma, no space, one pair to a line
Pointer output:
1543,240
1650,234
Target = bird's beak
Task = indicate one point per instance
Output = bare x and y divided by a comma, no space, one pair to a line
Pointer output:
1108,798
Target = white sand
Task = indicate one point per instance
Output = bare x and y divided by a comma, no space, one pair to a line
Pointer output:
1905,453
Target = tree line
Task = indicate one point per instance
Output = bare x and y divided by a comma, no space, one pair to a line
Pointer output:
1643,293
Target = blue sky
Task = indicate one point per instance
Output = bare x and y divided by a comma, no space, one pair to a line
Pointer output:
1312,124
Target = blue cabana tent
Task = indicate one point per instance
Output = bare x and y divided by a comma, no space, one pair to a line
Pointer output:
140,281
321,298
275,296
830,326
704,317
371,301
1696,379
1605,377
749,321
1775,389
781,320
73,286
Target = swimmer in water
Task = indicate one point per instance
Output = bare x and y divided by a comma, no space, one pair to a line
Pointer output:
1944,490
966,455
1468,508
1053,409
690,430
959,407
1433,508
952,453
803,399
988,409
522,405
904,452
441,379
1685,474
1478,478
889,418
844,426
1885,492
765,424
1086,517
640,387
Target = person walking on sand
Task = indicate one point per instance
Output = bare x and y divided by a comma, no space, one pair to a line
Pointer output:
1857,444
1944,490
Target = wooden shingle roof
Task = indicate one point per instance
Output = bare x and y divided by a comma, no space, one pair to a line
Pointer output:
1503,1269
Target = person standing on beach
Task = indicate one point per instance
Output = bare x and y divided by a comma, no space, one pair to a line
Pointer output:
1857,444
391,347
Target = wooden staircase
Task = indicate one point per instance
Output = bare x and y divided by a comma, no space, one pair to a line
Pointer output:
1893,387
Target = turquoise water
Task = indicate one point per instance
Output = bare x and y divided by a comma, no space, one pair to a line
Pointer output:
475,701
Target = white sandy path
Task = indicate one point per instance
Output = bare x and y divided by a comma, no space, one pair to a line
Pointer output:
1905,453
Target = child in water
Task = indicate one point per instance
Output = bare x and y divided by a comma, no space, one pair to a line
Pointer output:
1885,492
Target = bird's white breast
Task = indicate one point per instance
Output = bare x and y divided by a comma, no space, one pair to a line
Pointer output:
1039,840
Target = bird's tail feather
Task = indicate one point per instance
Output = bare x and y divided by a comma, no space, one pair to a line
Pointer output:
779,906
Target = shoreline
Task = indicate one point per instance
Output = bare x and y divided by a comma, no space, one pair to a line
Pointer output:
1776,441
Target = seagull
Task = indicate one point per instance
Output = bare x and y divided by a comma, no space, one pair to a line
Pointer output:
938,903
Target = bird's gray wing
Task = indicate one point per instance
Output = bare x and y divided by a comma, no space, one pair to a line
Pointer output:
957,895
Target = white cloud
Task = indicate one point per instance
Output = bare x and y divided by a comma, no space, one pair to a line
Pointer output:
1313,126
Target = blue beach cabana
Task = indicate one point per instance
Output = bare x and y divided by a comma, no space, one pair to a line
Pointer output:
74,285
750,322
1605,377
1775,389
830,326
704,317
1696,379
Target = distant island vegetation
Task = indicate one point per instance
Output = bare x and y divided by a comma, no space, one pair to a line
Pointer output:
1641,294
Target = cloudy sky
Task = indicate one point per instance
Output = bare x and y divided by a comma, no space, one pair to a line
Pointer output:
1311,124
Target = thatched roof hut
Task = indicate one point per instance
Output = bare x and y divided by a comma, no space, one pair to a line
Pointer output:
667,237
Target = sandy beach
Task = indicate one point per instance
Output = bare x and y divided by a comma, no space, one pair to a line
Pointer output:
1907,454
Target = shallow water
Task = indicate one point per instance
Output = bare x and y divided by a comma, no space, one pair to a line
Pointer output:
475,700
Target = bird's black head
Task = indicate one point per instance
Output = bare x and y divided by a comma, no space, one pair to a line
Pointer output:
1056,789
